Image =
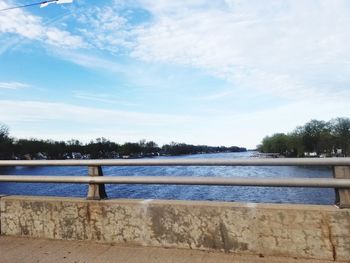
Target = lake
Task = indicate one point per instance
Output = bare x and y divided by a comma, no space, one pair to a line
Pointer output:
218,193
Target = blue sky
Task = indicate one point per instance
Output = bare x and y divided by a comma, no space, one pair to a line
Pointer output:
202,72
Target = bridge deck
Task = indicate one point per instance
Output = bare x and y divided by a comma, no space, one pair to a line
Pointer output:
14,249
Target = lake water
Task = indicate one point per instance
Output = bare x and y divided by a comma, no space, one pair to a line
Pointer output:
219,193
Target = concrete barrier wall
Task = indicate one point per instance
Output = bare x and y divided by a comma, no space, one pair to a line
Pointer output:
302,231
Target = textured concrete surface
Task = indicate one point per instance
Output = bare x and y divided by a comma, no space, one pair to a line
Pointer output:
14,249
301,231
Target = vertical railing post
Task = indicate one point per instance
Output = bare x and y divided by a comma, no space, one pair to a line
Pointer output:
342,195
96,191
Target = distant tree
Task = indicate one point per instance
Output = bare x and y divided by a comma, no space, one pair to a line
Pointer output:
341,133
102,148
55,150
151,147
175,148
28,147
295,145
4,130
99,148
74,145
130,148
5,142
277,143
316,136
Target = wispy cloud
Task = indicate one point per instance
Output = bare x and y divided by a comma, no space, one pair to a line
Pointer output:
105,28
86,122
292,49
89,60
229,128
13,85
103,98
41,111
295,53
28,26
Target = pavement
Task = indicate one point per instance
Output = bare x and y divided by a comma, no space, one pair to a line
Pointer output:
23,250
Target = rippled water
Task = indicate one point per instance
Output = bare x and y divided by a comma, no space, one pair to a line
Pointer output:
222,193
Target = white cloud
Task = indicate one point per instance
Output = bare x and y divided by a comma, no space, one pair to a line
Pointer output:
13,85
102,98
28,26
63,121
89,60
293,48
57,37
30,111
105,28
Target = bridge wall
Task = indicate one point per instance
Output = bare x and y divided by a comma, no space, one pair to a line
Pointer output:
302,231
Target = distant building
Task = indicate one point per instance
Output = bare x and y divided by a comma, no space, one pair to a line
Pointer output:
41,156
86,156
27,156
310,154
76,155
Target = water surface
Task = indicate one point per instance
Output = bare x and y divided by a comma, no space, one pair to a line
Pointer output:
219,193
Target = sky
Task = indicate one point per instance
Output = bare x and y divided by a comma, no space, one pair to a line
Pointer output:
199,72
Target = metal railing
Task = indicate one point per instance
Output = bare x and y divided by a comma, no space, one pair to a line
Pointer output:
96,191
185,162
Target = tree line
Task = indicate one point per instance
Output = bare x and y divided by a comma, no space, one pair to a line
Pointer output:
100,148
315,138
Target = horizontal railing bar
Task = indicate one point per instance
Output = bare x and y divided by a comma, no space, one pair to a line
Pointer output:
345,161
236,181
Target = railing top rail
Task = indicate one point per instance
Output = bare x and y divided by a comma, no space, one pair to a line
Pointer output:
182,180
185,162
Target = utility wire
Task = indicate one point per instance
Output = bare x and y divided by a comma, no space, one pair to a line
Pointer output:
23,6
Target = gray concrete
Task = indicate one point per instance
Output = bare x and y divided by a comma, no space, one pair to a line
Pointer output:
302,231
14,249
0,211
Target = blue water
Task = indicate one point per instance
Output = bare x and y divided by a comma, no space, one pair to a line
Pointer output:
220,193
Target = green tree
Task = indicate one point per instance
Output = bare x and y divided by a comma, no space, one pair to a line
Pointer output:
130,148
5,142
295,144
341,133
316,136
277,143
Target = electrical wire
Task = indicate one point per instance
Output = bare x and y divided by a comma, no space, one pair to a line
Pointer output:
28,5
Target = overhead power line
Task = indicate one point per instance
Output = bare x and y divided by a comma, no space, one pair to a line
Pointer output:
28,5
42,4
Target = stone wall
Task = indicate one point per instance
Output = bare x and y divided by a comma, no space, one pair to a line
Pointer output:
302,231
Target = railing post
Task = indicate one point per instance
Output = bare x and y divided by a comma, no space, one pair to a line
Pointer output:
342,199
96,191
